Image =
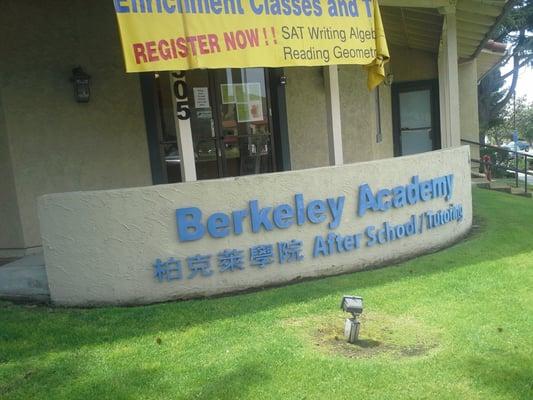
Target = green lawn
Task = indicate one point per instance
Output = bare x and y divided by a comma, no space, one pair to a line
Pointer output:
457,324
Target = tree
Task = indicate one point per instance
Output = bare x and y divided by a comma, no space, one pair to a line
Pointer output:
490,100
527,126
517,116
494,95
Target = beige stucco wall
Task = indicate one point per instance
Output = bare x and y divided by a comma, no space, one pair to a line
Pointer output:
359,117
468,102
56,144
10,229
100,246
306,117
412,65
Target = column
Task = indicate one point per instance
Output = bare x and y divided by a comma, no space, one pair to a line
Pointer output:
449,81
182,121
333,111
469,104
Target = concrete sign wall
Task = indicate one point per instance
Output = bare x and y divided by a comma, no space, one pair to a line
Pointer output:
143,245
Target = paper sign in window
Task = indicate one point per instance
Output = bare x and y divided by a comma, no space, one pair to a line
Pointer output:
201,97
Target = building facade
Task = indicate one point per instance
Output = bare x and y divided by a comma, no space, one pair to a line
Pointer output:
129,134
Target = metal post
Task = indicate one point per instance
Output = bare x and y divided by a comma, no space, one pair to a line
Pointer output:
379,134
525,172
516,162
515,137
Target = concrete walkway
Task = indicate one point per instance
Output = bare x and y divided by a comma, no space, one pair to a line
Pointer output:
24,280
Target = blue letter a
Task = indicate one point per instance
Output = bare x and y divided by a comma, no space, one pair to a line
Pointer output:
366,200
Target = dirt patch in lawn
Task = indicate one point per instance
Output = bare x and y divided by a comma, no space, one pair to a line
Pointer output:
380,335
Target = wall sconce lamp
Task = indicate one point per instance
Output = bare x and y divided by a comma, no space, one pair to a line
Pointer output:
81,81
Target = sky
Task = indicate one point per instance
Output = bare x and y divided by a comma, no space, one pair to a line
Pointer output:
525,84
524,87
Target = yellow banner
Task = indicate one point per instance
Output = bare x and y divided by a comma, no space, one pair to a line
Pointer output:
163,35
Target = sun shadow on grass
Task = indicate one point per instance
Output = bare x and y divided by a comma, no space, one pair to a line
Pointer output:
78,378
507,374
367,343
232,384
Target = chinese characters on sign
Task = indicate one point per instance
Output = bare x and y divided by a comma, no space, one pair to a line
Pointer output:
229,260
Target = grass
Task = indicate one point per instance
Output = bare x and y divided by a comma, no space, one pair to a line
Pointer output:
457,324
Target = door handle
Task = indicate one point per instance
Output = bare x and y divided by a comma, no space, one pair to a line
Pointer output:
212,128
416,129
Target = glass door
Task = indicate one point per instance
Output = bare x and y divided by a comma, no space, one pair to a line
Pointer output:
199,110
229,114
243,121
415,112
416,130
203,109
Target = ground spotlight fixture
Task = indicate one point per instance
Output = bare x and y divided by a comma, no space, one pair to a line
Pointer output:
354,306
